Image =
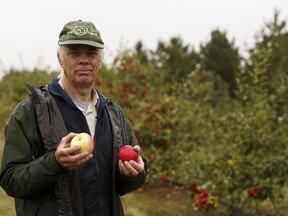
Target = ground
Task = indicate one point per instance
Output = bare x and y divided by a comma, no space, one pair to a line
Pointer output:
158,201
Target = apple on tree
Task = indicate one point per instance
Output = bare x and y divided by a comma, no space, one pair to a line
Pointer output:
127,153
85,141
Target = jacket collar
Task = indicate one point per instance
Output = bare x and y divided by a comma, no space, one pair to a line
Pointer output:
57,90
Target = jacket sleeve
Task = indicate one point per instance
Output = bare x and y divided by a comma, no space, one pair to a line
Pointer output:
24,172
128,184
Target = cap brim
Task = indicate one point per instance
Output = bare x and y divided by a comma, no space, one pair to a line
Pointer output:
85,42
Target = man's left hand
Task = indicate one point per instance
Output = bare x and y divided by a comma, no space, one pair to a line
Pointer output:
132,168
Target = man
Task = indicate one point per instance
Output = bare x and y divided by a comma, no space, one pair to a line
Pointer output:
39,168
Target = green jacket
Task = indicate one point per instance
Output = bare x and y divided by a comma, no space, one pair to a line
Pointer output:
29,170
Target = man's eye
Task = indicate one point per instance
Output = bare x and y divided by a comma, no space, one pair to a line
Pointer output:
93,53
73,52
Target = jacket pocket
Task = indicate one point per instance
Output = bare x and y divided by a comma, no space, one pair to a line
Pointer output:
44,205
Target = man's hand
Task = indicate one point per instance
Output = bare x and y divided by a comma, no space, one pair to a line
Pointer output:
132,168
69,157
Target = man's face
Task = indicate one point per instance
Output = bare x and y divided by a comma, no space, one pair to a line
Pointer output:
80,64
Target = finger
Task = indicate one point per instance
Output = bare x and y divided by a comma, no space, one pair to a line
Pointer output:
130,169
73,150
138,166
137,149
73,161
122,167
67,139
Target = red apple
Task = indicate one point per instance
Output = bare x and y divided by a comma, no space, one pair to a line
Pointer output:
83,140
127,153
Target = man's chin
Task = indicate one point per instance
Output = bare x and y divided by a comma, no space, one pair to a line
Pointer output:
85,82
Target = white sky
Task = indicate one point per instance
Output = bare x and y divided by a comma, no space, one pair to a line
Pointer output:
30,28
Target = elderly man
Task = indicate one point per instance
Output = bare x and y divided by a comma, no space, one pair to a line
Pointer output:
40,169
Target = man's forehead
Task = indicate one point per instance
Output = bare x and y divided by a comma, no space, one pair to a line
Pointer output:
80,46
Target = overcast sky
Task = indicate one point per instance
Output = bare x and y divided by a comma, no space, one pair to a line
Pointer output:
30,28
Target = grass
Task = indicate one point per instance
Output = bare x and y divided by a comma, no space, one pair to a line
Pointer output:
158,201
6,204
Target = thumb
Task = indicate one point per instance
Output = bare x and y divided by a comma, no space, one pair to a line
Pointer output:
137,149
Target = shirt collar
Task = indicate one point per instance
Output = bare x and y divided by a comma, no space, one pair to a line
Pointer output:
95,97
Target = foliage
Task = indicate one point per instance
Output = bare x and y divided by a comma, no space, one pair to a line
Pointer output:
13,89
221,57
274,37
169,56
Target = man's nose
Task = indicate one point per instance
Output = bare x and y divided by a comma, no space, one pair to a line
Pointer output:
84,59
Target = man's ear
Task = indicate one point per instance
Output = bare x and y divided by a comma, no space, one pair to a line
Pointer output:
60,60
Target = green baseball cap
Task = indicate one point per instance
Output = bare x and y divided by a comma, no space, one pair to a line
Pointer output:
80,32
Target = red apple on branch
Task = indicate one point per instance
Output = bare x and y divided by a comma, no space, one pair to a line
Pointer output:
83,140
127,153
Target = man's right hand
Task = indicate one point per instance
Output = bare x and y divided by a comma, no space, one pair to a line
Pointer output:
69,157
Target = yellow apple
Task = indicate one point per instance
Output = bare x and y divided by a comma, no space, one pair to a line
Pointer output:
83,140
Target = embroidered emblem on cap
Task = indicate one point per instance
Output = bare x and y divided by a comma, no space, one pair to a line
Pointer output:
80,30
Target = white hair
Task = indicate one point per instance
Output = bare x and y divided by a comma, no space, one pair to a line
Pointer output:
60,52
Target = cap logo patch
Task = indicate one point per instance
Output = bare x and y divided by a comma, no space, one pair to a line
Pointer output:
80,30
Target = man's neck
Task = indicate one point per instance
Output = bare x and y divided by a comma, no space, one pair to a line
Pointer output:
82,94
